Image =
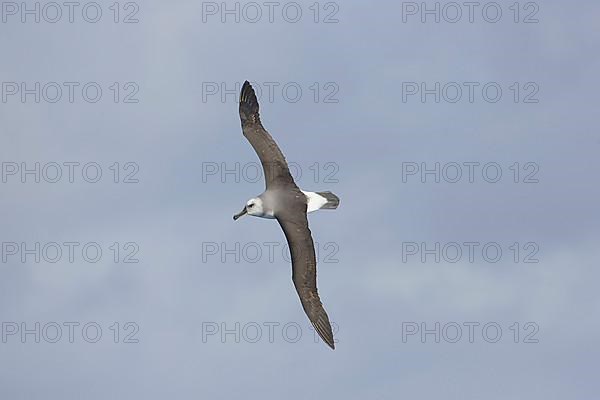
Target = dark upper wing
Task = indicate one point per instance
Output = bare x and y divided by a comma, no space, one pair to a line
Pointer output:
304,271
274,165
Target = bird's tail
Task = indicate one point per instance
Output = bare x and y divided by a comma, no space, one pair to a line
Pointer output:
332,200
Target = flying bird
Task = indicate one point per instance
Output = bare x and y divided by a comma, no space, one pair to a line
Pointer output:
284,201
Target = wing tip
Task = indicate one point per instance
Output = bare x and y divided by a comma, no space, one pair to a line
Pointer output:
245,88
325,332
247,94
248,103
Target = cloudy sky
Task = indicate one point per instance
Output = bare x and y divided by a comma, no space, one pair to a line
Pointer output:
462,141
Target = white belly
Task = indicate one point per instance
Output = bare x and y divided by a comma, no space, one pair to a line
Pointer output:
315,201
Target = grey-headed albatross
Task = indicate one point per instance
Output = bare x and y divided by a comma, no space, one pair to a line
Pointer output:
284,201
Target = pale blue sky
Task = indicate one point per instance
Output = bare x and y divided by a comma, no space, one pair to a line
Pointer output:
171,134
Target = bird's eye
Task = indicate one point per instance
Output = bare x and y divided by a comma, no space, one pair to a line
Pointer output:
250,205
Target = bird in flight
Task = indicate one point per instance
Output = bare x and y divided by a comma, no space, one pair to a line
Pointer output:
284,201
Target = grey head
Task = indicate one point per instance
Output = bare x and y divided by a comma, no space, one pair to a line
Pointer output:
260,206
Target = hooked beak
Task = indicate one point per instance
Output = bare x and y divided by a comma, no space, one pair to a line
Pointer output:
240,214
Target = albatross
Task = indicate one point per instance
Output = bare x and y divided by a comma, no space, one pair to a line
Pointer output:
284,201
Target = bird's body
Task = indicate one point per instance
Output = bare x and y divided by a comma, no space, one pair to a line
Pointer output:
265,205
284,201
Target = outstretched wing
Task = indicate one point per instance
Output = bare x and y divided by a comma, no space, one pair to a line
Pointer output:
273,162
304,271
